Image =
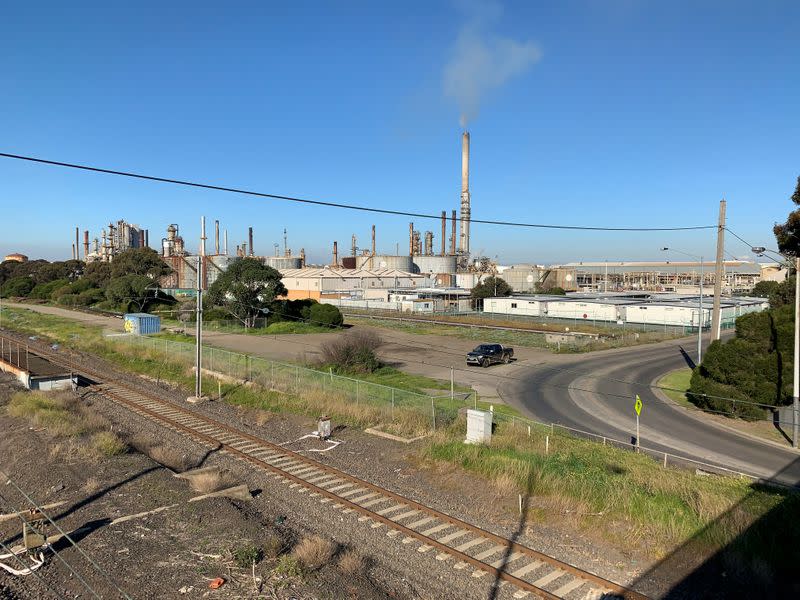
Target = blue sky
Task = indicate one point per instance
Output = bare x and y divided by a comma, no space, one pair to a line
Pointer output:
618,113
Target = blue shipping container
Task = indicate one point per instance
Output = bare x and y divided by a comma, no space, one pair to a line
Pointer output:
142,323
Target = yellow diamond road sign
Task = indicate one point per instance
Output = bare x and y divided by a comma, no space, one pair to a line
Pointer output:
637,406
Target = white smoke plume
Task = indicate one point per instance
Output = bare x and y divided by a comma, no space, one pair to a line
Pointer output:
481,62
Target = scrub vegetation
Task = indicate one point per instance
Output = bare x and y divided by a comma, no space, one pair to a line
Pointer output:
628,498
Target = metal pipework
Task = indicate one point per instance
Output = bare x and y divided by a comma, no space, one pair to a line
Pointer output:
216,236
444,231
411,239
453,234
373,240
202,236
85,244
428,243
250,239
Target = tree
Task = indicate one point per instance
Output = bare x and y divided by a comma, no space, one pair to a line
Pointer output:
491,287
139,261
98,272
325,314
764,289
246,288
788,233
17,287
130,290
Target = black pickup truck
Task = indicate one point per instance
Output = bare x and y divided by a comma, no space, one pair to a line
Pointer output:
489,354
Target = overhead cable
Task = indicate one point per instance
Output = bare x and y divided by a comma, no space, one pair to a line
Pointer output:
330,204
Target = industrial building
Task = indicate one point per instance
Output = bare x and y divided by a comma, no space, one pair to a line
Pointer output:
184,265
16,257
641,308
115,239
316,283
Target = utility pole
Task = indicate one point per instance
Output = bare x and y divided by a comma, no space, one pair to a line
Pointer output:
796,388
716,320
198,377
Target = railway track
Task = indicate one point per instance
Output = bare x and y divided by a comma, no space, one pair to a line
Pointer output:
409,522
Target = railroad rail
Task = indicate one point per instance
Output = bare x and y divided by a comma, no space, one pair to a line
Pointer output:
530,571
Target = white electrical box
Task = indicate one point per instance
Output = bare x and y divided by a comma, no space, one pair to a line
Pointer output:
479,427
324,428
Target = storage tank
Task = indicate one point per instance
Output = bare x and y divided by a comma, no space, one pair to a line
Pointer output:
435,264
385,261
283,262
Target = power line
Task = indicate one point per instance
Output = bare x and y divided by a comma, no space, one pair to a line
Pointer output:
57,554
385,211
68,538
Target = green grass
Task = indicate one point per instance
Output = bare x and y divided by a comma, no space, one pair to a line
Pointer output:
675,384
616,339
389,376
640,502
279,328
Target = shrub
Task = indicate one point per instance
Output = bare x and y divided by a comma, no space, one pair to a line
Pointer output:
44,291
17,287
353,352
288,566
351,563
245,556
325,314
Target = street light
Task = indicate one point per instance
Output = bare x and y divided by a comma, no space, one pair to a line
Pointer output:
700,311
761,251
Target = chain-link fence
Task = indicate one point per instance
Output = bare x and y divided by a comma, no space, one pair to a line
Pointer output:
315,392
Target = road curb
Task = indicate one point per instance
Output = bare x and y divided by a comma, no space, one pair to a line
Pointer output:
691,413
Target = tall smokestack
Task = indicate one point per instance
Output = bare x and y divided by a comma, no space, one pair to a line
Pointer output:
226,242
85,244
411,239
465,208
202,236
444,231
373,240
353,245
428,243
250,239
335,254
453,235
77,243
147,238
216,236
73,251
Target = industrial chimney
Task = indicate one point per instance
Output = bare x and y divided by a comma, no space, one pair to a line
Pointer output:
216,236
85,244
411,239
428,243
465,208
250,239
335,254
453,235
444,231
373,240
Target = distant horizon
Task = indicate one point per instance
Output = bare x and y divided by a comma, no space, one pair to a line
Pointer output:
611,114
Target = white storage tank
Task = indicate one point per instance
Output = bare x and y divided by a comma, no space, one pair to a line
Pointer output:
385,261
434,264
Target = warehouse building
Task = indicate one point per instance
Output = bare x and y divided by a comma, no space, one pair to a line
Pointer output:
316,283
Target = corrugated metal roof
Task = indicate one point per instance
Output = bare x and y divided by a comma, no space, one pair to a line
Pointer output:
345,273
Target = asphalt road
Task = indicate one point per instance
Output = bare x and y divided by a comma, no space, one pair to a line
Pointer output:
591,392
596,392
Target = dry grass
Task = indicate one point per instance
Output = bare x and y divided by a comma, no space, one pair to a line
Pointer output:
351,563
505,485
91,485
208,482
169,457
272,546
106,443
313,552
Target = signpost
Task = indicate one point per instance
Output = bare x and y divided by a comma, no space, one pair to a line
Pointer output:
637,406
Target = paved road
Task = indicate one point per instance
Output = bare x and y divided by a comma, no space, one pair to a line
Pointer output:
595,393
592,392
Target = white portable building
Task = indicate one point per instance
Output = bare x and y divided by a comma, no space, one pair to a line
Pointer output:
667,313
